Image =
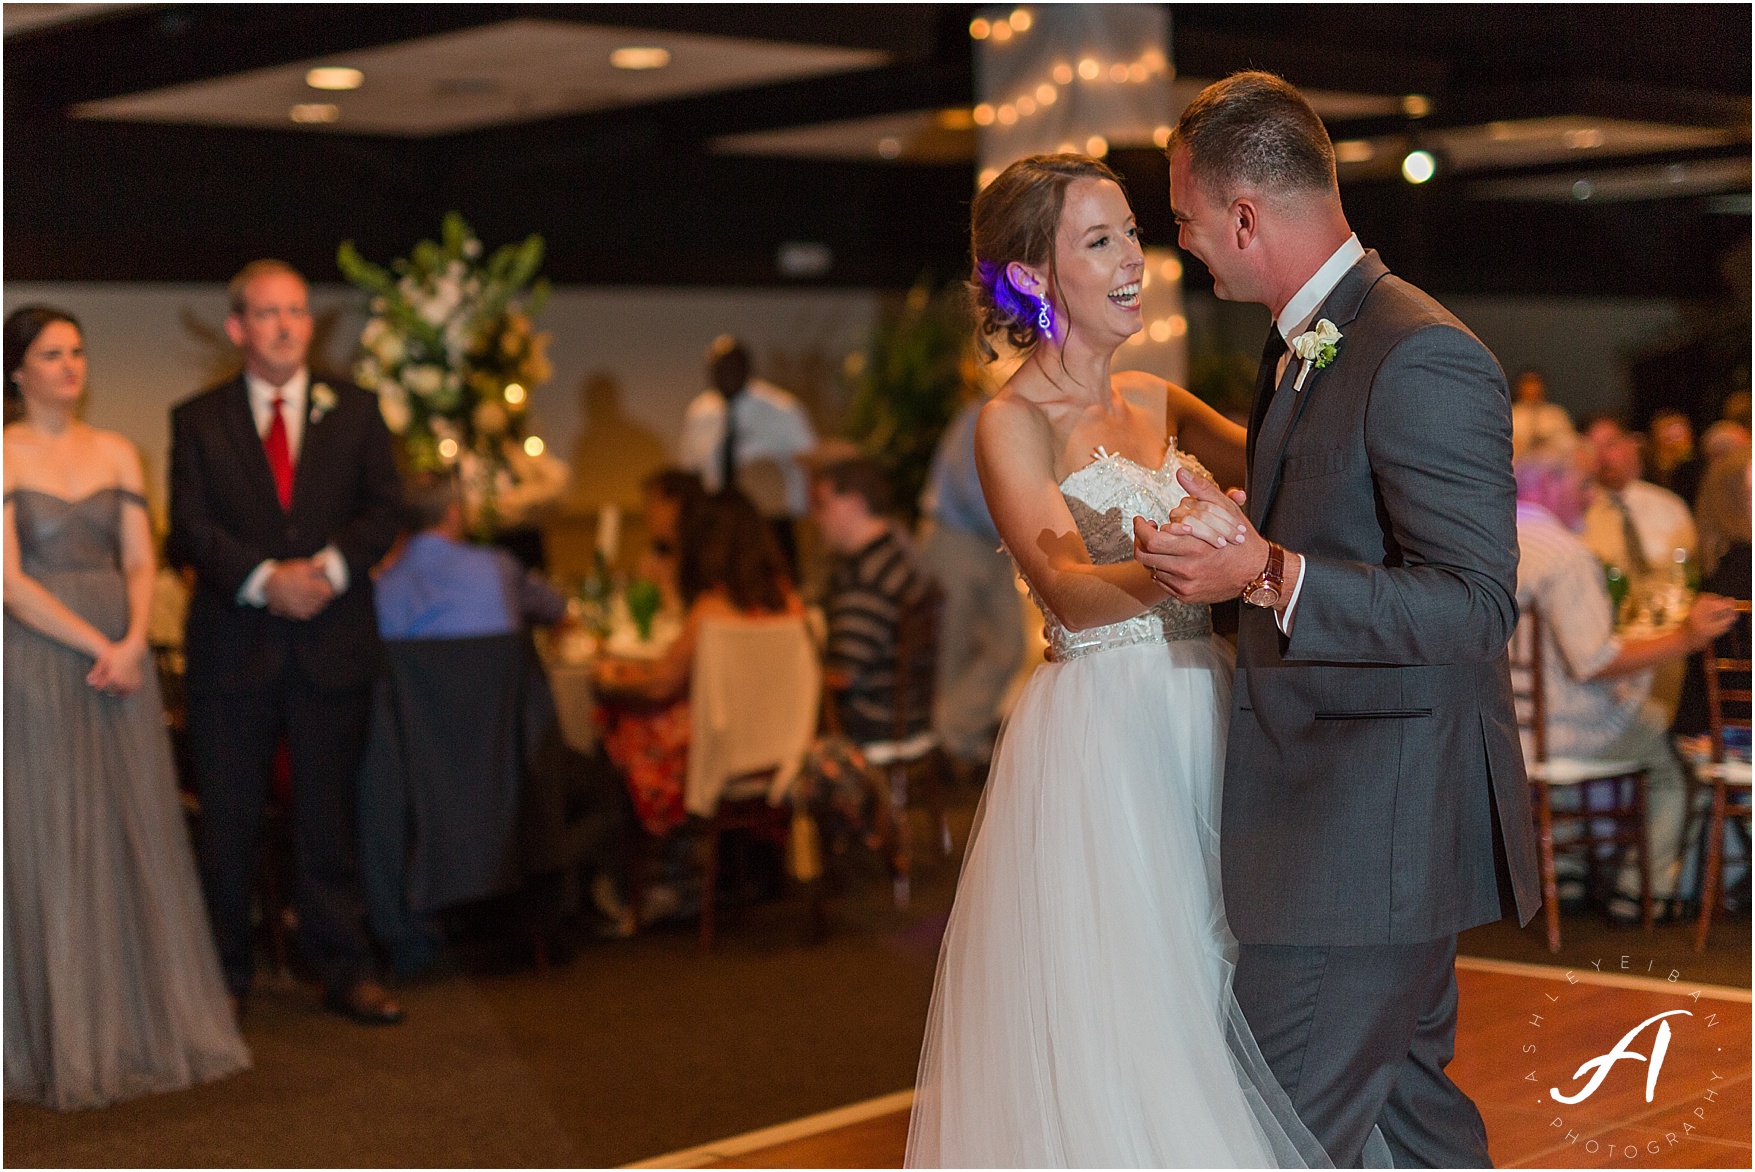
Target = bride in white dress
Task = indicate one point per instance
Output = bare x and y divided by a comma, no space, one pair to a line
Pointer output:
1083,1013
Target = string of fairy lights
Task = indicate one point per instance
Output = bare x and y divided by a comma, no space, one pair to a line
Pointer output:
1086,70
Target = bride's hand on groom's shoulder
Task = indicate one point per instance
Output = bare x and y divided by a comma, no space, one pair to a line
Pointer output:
1206,549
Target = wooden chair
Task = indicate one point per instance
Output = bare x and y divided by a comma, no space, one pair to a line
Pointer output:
741,796
909,758
1622,782
1724,776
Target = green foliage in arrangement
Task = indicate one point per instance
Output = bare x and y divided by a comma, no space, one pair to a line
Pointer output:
450,348
907,384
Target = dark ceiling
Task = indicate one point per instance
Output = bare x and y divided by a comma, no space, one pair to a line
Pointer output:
635,195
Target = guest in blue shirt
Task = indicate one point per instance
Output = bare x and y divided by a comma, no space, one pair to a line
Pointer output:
443,587
982,644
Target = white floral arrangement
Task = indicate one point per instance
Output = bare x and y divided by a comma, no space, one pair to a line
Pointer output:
453,355
1317,346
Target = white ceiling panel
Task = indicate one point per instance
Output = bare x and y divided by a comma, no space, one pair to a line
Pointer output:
516,71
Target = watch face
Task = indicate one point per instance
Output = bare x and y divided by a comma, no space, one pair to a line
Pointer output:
1265,596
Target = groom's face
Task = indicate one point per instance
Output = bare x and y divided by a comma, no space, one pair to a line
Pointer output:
1206,229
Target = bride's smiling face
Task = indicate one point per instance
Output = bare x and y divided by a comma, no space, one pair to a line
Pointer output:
1099,266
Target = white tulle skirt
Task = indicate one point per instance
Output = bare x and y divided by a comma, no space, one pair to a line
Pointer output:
1083,1014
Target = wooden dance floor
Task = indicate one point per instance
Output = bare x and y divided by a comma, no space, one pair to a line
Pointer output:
1524,1032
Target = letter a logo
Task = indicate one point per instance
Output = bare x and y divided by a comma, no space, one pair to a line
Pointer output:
1604,1063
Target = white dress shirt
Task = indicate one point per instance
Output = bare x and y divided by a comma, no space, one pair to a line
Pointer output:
771,425
293,396
1660,517
1293,320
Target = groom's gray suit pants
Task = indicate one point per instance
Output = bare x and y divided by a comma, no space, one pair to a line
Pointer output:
1359,1037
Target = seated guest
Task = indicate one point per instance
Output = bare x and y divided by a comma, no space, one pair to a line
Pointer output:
443,587
1730,431
1629,522
1671,461
728,566
1723,514
1538,427
1598,686
876,575
666,498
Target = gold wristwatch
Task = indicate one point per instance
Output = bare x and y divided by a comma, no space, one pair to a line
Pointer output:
1268,587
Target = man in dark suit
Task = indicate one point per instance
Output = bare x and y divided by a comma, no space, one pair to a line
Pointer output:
1375,802
283,496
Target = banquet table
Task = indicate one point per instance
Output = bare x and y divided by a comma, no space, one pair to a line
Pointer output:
569,655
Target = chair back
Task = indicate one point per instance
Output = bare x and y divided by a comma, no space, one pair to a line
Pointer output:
753,698
917,639
1530,694
1727,684
447,752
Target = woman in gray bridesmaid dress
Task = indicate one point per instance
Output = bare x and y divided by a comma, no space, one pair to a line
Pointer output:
112,985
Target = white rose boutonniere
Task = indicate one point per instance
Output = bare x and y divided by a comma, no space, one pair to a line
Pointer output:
322,401
1316,346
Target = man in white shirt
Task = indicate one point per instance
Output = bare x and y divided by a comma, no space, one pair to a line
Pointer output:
742,421
1624,506
1375,802
1538,426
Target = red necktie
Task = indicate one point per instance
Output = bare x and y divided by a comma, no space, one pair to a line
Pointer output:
280,458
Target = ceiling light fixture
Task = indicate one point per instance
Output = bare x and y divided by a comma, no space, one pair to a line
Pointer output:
1096,146
334,77
980,28
1419,166
639,57
1354,150
1020,20
1416,105
889,148
311,113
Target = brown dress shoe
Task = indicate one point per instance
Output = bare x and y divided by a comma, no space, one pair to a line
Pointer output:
366,1002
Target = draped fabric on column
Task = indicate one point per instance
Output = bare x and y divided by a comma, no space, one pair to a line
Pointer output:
1087,78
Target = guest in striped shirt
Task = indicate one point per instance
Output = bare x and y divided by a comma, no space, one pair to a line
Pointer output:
876,576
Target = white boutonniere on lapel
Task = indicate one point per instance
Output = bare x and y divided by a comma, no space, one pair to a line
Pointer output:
1316,346
322,401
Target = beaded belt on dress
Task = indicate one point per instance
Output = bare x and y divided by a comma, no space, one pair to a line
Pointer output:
1169,623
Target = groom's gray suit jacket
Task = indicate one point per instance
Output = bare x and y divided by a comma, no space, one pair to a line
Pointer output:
1374,786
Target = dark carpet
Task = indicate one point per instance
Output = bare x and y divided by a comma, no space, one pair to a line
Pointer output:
634,1048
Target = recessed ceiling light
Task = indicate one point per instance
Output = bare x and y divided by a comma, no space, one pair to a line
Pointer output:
314,112
1419,166
1416,105
640,57
335,77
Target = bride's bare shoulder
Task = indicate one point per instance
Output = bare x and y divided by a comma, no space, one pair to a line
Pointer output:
1012,425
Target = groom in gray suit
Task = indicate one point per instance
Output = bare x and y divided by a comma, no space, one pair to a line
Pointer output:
1375,802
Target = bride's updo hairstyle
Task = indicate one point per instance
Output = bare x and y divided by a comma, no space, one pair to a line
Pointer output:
1015,218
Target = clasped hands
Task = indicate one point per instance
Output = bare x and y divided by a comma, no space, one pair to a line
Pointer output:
1206,550
298,589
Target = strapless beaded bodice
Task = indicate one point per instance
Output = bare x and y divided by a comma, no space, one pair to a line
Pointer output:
1104,497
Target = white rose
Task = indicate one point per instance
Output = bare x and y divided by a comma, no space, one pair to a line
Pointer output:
1306,346
1326,333
393,406
424,380
389,348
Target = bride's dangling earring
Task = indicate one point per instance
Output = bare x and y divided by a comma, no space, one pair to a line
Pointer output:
1044,318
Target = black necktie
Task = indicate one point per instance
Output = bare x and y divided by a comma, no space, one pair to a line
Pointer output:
728,454
1266,382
